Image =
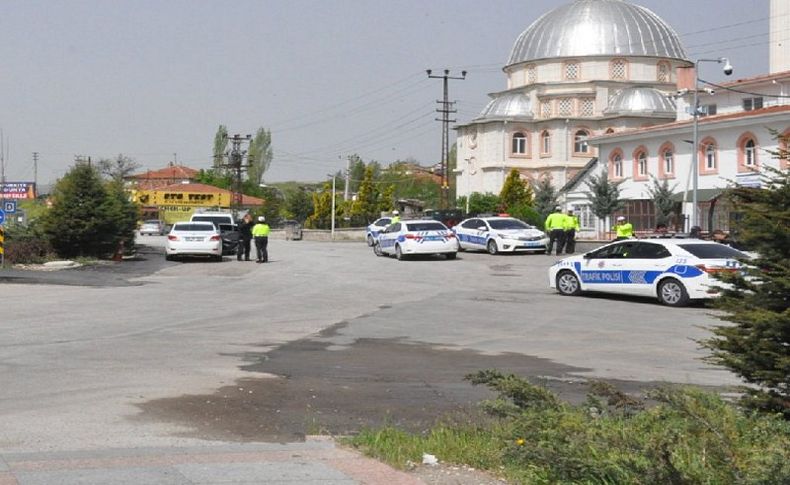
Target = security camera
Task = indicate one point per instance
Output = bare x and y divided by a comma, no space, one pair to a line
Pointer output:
727,68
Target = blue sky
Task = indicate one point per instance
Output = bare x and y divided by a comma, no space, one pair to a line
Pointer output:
330,78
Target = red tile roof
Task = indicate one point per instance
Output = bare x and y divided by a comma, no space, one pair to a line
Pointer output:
171,172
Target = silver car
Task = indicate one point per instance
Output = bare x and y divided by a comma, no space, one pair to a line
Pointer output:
152,227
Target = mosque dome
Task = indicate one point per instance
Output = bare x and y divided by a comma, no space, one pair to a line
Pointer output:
597,28
641,101
510,106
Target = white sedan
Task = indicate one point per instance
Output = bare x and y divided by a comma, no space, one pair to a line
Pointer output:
500,234
375,228
673,270
406,238
194,239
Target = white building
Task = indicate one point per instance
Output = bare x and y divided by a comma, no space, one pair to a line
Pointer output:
569,75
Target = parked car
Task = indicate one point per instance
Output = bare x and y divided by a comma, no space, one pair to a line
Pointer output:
500,234
375,228
152,227
675,271
406,238
193,239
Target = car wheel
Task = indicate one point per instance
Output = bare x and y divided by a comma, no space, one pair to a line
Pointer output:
450,255
491,247
568,284
377,249
671,292
370,240
399,254
168,257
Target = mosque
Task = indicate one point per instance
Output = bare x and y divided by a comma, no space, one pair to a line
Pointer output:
590,74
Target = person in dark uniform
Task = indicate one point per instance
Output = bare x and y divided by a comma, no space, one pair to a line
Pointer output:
245,237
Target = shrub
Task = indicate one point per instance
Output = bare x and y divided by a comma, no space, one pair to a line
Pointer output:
26,245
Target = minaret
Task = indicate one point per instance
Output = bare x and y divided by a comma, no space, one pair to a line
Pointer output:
779,37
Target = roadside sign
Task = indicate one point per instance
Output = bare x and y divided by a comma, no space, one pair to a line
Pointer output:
2,216
2,244
9,206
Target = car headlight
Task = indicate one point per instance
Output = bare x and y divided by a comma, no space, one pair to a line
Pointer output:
503,236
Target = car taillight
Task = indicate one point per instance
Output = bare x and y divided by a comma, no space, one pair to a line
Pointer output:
215,238
715,269
411,236
172,237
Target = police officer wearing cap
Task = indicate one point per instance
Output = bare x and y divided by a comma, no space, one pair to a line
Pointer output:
623,229
260,232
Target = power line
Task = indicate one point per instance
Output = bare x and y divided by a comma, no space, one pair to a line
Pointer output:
719,86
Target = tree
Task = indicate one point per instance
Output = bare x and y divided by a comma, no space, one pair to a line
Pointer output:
272,206
756,343
87,219
298,204
546,198
387,199
322,208
516,192
604,195
220,144
481,203
356,172
118,168
259,155
365,208
664,205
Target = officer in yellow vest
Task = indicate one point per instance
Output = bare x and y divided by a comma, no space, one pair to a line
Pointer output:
571,227
623,229
260,232
395,217
555,227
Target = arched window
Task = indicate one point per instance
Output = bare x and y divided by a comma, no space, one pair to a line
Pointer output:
709,156
616,164
663,72
545,143
609,131
747,152
750,153
519,146
666,162
641,164
618,69
580,144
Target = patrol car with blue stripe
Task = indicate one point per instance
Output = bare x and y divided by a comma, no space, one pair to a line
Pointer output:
675,271
406,238
375,228
500,234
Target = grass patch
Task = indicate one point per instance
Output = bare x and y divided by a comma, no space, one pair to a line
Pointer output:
686,437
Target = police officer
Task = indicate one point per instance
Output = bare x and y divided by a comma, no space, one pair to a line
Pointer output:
260,232
245,236
395,217
571,227
623,229
555,226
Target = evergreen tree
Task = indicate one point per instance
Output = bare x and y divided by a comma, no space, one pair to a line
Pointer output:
664,205
87,219
546,198
259,155
357,173
756,345
364,209
516,192
387,199
298,204
604,195
220,144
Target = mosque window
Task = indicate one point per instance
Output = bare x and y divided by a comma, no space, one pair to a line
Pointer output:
617,166
545,109
587,107
747,152
662,72
666,163
572,70
708,156
519,143
640,164
618,69
545,143
565,107
532,74
580,144
609,131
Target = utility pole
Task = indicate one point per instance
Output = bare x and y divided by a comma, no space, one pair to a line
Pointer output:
348,176
236,165
35,170
447,107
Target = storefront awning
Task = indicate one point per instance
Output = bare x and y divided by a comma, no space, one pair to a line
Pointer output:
703,195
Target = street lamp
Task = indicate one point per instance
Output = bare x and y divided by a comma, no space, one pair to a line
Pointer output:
695,149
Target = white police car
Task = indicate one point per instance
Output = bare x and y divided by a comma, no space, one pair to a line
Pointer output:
405,238
375,228
673,270
499,234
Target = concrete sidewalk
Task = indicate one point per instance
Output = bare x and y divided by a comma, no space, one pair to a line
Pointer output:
316,461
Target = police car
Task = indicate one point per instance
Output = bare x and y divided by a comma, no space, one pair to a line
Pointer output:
673,270
375,228
406,238
500,234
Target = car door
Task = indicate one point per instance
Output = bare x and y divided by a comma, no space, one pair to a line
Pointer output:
466,232
646,263
379,225
605,268
389,236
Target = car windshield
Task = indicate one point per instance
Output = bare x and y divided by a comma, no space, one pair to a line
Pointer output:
426,226
713,251
193,227
504,224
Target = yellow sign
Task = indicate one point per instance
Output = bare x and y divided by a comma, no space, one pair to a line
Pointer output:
220,198
2,241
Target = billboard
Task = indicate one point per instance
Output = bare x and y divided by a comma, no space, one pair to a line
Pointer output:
18,190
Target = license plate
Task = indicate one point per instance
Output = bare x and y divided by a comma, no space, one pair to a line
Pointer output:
532,244
193,239
433,238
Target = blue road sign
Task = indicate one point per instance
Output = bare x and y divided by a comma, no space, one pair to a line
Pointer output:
2,216
9,206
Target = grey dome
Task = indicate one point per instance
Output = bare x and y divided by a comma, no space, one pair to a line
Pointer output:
597,28
641,101
507,106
